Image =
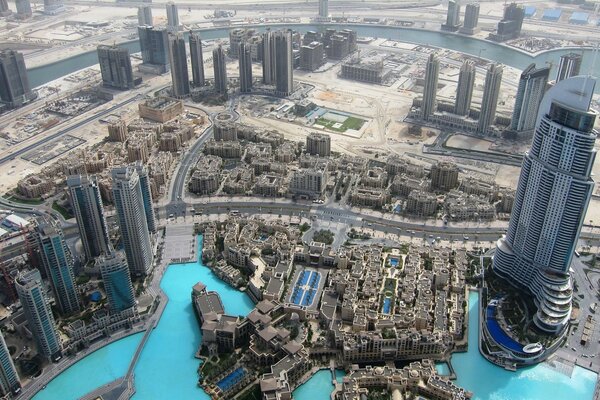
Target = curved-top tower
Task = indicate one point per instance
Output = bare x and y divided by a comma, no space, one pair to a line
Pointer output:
551,201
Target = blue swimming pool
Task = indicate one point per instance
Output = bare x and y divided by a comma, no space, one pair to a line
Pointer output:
498,333
387,305
230,380
394,262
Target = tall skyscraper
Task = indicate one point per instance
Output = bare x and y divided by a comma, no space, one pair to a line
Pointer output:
532,87
197,59
179,68
245,61
452,17
53,7
489,101
220,70
471,19
23,9
553,193
284,64
144,176
117,281
268,60
89,212
4,10
145,16
9,378
58,264
430,86
464,90
115,67
172,17
14,83
569,66
131,214
154,45
323,8
30,290
511,23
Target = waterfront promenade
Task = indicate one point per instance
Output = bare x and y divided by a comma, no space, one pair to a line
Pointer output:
147,324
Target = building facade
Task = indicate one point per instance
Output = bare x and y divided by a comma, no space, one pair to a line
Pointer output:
452,17
471,19
58,264
39,316
115,67
220,70
553,193
14,82
172,17
144,15
197,59
129,204
489,101
117,281
430,87
86,202
284,65
9,378
532,86
318,144
569,66
154,45
179,69
464,90
245,64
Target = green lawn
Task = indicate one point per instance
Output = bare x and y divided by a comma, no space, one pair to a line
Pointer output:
63,211
349,123
24,201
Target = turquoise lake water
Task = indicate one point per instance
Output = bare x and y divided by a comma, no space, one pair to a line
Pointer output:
490,382
167,367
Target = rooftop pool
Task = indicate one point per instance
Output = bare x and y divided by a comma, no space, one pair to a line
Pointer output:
167,367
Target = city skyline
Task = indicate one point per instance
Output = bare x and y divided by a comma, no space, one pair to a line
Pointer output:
416,194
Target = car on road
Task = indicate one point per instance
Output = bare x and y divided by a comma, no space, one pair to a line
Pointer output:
465,237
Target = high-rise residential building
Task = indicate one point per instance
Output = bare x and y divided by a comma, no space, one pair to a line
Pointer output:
532,86
9,378
115,67
146,187
179,69
58,264
197,59
552,197
444,176
471,19
489,101
87,206
14,82
117,281
464,90
245,61
323,8
284,64
36,308
318,144
4,10
172,17
154,45
268,59
311,56
144,15
569,66
53,7
430,86
511,23
220,70
237,36
452,17
131,214
23,9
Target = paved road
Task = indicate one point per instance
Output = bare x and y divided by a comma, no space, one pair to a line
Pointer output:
71,128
